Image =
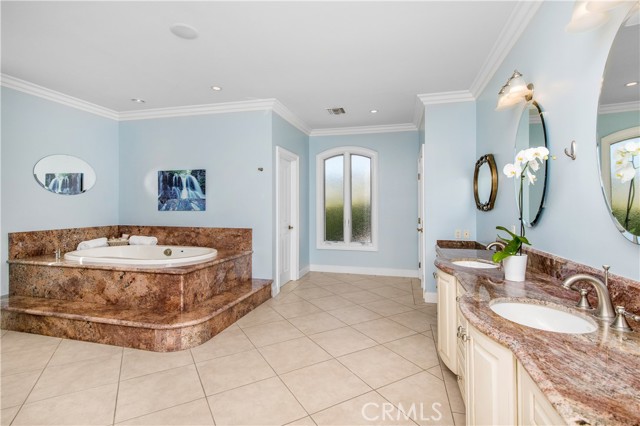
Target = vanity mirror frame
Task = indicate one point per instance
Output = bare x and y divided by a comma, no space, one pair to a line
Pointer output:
491,162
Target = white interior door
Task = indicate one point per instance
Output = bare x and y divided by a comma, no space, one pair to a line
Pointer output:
420,227
287,217
285,222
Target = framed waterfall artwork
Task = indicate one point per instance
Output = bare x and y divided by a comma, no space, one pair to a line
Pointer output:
182,190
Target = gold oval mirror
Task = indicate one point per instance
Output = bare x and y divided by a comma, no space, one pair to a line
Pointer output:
485,182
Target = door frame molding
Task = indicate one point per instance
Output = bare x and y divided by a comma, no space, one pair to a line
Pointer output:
294,159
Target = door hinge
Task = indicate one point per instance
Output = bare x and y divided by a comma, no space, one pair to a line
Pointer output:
418,176
419,265
419,221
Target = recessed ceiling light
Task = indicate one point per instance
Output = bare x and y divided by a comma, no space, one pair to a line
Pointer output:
184,31
216,88
138,101
374,111
631,84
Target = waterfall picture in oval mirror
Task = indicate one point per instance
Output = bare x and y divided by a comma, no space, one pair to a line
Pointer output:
532,133
64,174
618,134
182,190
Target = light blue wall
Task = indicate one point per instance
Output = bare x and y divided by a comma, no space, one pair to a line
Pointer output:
397,203
33,128
566,70
611,123
293,140
231,147
449,162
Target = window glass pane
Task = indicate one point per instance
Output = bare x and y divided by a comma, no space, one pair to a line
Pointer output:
334,198
360,199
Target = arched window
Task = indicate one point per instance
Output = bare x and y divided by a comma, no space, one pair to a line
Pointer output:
347,214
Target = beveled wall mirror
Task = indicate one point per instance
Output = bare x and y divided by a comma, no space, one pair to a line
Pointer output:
532,133
64,174
618,134
485,182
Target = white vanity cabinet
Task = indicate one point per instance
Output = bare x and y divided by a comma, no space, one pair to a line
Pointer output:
490,382
447,312
533,406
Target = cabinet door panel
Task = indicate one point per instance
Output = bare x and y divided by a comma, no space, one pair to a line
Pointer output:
491,386
533,407
447,320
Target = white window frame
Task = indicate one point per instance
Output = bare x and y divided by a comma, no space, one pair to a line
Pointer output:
347,151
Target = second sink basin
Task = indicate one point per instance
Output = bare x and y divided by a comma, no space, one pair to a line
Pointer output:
475,264
544,317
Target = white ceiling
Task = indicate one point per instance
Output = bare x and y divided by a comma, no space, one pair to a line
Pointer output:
308,55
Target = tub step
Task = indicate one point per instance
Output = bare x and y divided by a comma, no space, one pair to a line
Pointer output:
135,328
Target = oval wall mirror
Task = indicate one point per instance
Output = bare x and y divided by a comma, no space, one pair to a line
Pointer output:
485,182
618,134
64,174
532,133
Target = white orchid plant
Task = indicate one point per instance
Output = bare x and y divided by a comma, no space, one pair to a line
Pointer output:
526,164
625,170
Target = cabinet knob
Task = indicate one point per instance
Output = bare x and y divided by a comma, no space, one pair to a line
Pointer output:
435,275
465,337
457,298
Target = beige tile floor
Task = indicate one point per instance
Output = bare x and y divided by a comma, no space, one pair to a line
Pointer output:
330,349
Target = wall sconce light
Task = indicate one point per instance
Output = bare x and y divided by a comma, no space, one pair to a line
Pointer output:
516,90
589,15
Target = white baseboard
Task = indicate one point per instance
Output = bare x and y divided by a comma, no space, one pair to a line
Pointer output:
387,272
430,297
304,271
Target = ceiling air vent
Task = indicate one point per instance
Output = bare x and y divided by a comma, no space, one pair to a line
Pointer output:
336,111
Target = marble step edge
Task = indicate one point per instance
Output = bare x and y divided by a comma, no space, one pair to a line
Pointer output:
118,316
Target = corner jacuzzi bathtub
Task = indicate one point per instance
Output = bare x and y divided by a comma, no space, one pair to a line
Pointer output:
143,255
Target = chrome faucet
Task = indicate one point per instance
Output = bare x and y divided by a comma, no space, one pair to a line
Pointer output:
499,244
605,308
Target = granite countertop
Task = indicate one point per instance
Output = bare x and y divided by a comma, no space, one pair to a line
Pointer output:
589,378
49,260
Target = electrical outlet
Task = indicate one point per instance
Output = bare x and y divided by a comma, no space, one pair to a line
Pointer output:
458,234
466,234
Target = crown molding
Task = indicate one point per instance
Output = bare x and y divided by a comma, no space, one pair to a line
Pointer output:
633,106
360,130
14,83
446,97
517,22
418,112
183,111
290,117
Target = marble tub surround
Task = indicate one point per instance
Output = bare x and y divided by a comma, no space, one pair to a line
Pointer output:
588,378
160,288
237,239
135,327
38,243
41,243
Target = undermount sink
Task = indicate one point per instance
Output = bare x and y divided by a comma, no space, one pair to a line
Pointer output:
475,264
544,317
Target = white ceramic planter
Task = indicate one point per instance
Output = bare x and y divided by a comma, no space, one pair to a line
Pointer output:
515,267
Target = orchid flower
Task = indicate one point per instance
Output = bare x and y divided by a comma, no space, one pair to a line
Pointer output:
626,173
512,170
531,177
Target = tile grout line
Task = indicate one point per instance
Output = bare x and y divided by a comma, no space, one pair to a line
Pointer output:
35,383
115,405
204,392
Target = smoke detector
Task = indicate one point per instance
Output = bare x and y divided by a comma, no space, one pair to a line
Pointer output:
336,111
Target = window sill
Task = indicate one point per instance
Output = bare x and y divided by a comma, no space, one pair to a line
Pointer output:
348,247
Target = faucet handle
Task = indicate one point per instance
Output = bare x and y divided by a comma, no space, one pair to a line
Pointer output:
584,302
620,323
